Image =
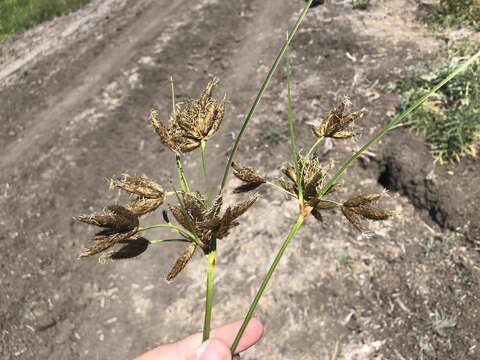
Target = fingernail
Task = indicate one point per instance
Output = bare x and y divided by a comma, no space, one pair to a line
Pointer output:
213,350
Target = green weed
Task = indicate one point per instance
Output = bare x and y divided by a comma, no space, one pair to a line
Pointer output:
450,120
441,322
360,4
452,13
342,260
19,15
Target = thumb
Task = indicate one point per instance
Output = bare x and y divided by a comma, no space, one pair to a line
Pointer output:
213,349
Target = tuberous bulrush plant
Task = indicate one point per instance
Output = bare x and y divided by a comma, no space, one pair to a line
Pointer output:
198,218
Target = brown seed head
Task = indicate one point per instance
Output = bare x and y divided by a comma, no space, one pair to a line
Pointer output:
141,206
289,171
317,214
360,205
181,217
362,199
182,261
197,121
352,218
314,175
231,214
287,185
323,204
133,248
116,217
249,176
337,122
372,213
139,185
105,240
195,205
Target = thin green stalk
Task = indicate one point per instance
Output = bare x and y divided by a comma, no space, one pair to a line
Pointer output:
278,187
170,193
178,229
178,160
174,106
181,174
265,281
314,146
153,242
203,147
207,323
262,90
293,146
395,121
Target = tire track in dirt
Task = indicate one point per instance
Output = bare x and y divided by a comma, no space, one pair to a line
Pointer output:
92,80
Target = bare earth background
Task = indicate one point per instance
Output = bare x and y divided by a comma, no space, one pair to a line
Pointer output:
74,98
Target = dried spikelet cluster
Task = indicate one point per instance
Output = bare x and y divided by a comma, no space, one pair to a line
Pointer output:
338,122
361,206
198,221
121,222
148,195
305,179
197,121
204,223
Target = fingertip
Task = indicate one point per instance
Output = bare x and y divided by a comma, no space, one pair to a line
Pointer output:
256,327
213,349
252,334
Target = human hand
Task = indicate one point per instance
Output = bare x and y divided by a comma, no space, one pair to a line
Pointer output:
216,348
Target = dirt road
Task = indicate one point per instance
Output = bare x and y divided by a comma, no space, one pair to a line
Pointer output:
75,94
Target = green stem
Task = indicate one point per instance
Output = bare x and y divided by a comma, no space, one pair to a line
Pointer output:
178,229
178,160
395,121
293,146
170,193
153,242
207,323
314,146
181,174
203,147
265,281
262,90
278,187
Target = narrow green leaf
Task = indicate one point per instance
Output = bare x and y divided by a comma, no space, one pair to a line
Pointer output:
261,92
181,174
293,146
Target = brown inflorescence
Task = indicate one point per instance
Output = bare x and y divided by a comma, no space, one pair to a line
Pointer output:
119,224
313,177
338,123
361,206
149,195
197,121
204,221
248,176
